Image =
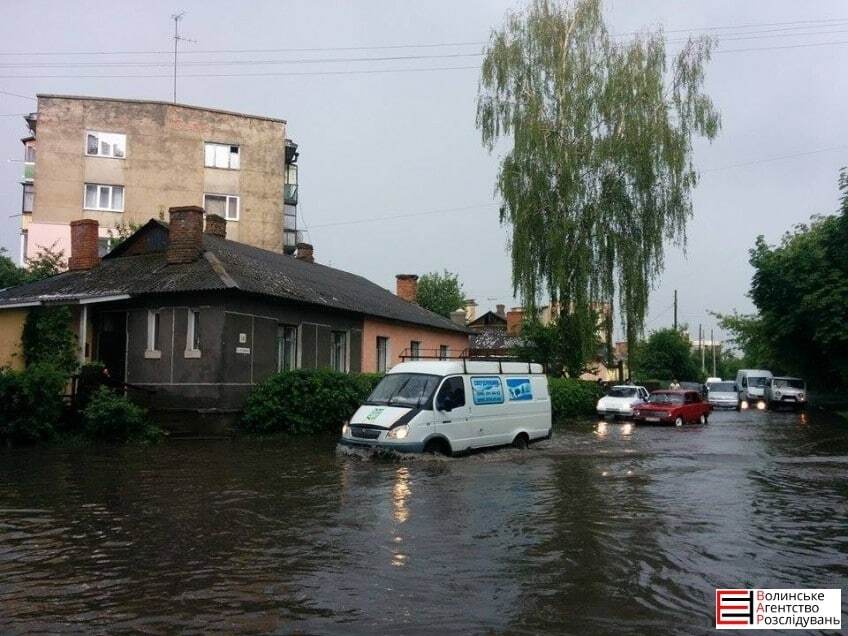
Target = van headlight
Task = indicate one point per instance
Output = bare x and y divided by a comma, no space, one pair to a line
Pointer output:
345,431
399,432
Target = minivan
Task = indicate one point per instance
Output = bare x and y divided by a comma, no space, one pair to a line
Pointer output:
453,406
751,384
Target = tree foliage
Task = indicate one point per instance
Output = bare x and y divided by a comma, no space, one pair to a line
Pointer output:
599,174
46,263
564,346
48,338
10,274
665,355
440,293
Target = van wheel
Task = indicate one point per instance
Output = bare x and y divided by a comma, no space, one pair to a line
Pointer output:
678,421
437,446
521,441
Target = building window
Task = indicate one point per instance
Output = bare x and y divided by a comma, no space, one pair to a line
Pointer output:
24,246
443,352
382,354
29,195
193,334
29,154
104,197
221,156
224,205
286,348
414,350
102,247
338,356
153,330
102,144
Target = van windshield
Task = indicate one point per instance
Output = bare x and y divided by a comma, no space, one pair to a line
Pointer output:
783,383
404,389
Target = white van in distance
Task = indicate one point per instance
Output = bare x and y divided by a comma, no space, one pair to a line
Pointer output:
453,406
751,384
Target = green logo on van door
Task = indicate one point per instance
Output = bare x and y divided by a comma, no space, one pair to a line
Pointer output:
374,414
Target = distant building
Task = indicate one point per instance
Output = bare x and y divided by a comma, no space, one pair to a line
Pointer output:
196,319
126,161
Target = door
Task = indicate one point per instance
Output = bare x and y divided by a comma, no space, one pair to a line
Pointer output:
452,413
112,343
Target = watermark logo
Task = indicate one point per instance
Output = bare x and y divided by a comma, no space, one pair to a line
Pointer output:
778,609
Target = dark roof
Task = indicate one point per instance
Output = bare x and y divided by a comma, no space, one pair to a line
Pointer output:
489,318
159,103
495,339
224,265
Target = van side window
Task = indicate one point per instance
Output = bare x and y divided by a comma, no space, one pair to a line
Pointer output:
452,393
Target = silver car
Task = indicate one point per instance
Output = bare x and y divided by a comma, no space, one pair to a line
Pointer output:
723,395
786,392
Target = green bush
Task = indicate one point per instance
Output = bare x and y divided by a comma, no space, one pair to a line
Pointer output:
48,337
111,417
573,398
305,401
30,403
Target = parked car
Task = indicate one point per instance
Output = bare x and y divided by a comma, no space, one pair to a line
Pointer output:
786,392
453,406
621,399
712,380
751,384
723,395
676,407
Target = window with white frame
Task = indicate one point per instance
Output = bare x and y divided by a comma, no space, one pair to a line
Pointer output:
221,156
286,348
338,354
224,205
153,322
104,197
29,198
193,332
103,144
414,349
382,354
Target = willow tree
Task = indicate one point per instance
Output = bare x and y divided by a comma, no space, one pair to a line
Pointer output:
599,173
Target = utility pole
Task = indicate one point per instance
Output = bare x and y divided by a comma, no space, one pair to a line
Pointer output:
675,310
701,345
176,17
712,345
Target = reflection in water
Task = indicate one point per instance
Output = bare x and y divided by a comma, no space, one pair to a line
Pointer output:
606,528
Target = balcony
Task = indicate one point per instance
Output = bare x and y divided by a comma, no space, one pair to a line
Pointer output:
29,171
290,240
290,194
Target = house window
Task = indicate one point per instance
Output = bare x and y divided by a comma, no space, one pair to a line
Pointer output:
29,195
338,355
193,334
102,144
153,330
221,156
382,354
414,350
224,205
102,247
104,197
29,154
286,348
443,352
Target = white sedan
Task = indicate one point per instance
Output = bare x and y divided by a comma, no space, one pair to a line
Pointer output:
621,400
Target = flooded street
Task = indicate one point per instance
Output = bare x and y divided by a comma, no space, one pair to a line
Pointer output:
604,529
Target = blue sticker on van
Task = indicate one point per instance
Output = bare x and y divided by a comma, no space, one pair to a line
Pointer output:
519,389
487,390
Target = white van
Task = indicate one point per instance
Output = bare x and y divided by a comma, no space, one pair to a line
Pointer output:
751,384
453,406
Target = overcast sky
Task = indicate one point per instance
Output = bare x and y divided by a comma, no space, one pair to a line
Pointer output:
395,143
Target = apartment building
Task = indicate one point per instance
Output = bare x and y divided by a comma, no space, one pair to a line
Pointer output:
123,162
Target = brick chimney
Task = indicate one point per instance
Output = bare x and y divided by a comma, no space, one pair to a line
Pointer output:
84,235
514,318
305,252
216,225
500,310
185,234
407,287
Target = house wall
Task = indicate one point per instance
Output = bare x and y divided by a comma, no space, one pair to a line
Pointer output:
400,335
163,167
11,330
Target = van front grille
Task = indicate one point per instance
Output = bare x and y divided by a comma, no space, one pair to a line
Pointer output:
364,433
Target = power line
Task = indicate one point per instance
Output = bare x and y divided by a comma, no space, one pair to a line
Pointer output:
778,158
784,46
18,95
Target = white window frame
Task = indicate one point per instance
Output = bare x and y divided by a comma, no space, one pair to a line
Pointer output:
345,353
191,325
152,352
227,198
386,365
103,135
281,329
215,145
111,197
415,351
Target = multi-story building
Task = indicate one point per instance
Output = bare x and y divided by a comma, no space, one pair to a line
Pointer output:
122,162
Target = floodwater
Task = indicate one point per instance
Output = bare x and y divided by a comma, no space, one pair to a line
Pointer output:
608,529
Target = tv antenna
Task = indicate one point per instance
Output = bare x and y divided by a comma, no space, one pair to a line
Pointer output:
176,17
